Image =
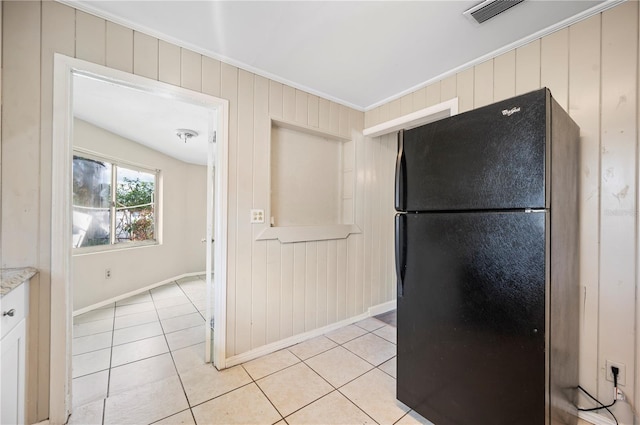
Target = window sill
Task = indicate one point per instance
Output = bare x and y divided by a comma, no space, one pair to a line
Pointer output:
291,234
102,249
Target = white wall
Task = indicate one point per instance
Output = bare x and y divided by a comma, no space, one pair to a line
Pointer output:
591,69
182,211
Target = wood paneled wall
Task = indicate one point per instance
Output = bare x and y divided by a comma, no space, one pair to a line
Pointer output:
274,290
591,69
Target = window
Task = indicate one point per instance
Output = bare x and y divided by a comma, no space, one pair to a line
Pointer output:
114,204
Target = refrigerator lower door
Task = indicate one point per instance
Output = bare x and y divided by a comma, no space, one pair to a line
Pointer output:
471,320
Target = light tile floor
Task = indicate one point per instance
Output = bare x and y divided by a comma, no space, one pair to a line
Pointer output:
141,361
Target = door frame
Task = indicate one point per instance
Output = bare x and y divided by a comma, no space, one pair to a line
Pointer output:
61,217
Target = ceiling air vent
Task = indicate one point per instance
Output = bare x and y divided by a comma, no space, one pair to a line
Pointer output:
488,9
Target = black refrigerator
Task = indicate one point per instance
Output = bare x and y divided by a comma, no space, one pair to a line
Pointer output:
487,265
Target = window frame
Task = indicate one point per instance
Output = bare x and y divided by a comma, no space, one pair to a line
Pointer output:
115,163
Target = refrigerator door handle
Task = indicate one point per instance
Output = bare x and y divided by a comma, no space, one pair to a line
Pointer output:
401,251
401,174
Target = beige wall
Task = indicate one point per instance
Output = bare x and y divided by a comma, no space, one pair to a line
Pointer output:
183,188
591,69
274,290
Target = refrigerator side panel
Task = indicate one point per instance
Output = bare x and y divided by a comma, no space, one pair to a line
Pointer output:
564,292
471,321
489,158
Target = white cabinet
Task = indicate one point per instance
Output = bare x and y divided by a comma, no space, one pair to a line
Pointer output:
13,307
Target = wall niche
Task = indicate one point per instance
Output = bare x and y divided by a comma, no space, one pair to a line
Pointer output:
311,184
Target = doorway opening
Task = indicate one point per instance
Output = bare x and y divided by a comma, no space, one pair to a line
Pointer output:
99,123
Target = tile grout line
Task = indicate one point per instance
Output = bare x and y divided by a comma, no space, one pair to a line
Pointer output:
190,408
263,393
173,360
104,409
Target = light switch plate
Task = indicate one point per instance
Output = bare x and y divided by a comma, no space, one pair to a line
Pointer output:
257,216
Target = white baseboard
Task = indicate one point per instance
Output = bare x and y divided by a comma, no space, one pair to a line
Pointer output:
595,418
134,292
296,339
293,340
383,308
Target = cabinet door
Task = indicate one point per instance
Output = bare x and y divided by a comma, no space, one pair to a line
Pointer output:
12,375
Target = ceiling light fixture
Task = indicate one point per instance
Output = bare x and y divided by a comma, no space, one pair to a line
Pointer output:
185,134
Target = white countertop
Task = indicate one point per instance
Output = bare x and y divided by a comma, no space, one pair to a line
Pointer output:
12,278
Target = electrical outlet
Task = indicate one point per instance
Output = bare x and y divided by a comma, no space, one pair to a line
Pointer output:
621,372
257,216
107,273
620,395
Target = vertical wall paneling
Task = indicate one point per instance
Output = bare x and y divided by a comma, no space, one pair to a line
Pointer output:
376,222
119,54
504,76
332,281
483,84
395,108
364,297
145,55
190,70
420,99
433,94
372,117
275,99
20,132
388,217
288,103
246,333
322,290
343,127
302,107
528,67
324,119
90,38
618,192
448,88
554,65
169,63
299,286
210,76
341,279
334,117
287,290
311,285
355,262
384,113
464,84
229,91
266,294
58,24
584,108
312,111
406,104
276,299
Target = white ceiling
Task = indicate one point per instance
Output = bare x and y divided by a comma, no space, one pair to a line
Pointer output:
358,53
143,117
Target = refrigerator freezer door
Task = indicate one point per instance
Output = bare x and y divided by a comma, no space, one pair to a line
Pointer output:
471,321
489,158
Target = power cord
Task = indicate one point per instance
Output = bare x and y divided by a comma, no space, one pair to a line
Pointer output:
615,371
